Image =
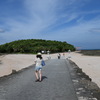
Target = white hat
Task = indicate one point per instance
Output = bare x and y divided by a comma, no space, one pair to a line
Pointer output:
39,53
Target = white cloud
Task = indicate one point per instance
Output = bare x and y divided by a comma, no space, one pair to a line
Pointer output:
51,19
42,15
84,31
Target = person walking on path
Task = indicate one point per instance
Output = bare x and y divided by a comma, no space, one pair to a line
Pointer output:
59,55
38,67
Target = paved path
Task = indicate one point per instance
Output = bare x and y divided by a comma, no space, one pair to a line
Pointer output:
56,84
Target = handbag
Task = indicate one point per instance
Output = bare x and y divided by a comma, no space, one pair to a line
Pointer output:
43,63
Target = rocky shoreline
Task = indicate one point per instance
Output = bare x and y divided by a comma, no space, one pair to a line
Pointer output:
84,87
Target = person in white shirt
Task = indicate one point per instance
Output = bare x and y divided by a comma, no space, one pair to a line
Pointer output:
38,67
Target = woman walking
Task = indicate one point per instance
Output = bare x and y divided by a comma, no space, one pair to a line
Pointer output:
38,67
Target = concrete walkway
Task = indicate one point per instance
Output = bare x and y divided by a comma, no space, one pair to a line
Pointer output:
56,84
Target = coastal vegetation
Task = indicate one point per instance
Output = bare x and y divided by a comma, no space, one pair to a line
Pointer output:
35,45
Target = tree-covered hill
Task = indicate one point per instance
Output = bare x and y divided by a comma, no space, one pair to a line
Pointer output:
35,45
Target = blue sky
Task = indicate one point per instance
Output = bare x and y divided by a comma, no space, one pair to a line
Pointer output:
74,21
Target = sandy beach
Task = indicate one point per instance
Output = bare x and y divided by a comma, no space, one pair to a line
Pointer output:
17,62
89,64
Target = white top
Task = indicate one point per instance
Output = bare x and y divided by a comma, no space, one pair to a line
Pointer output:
38,61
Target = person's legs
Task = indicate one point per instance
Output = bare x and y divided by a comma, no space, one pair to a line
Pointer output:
36,74
40,75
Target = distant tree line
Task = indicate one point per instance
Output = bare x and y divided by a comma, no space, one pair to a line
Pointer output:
35,45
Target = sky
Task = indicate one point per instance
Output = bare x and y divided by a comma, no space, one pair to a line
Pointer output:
75,21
